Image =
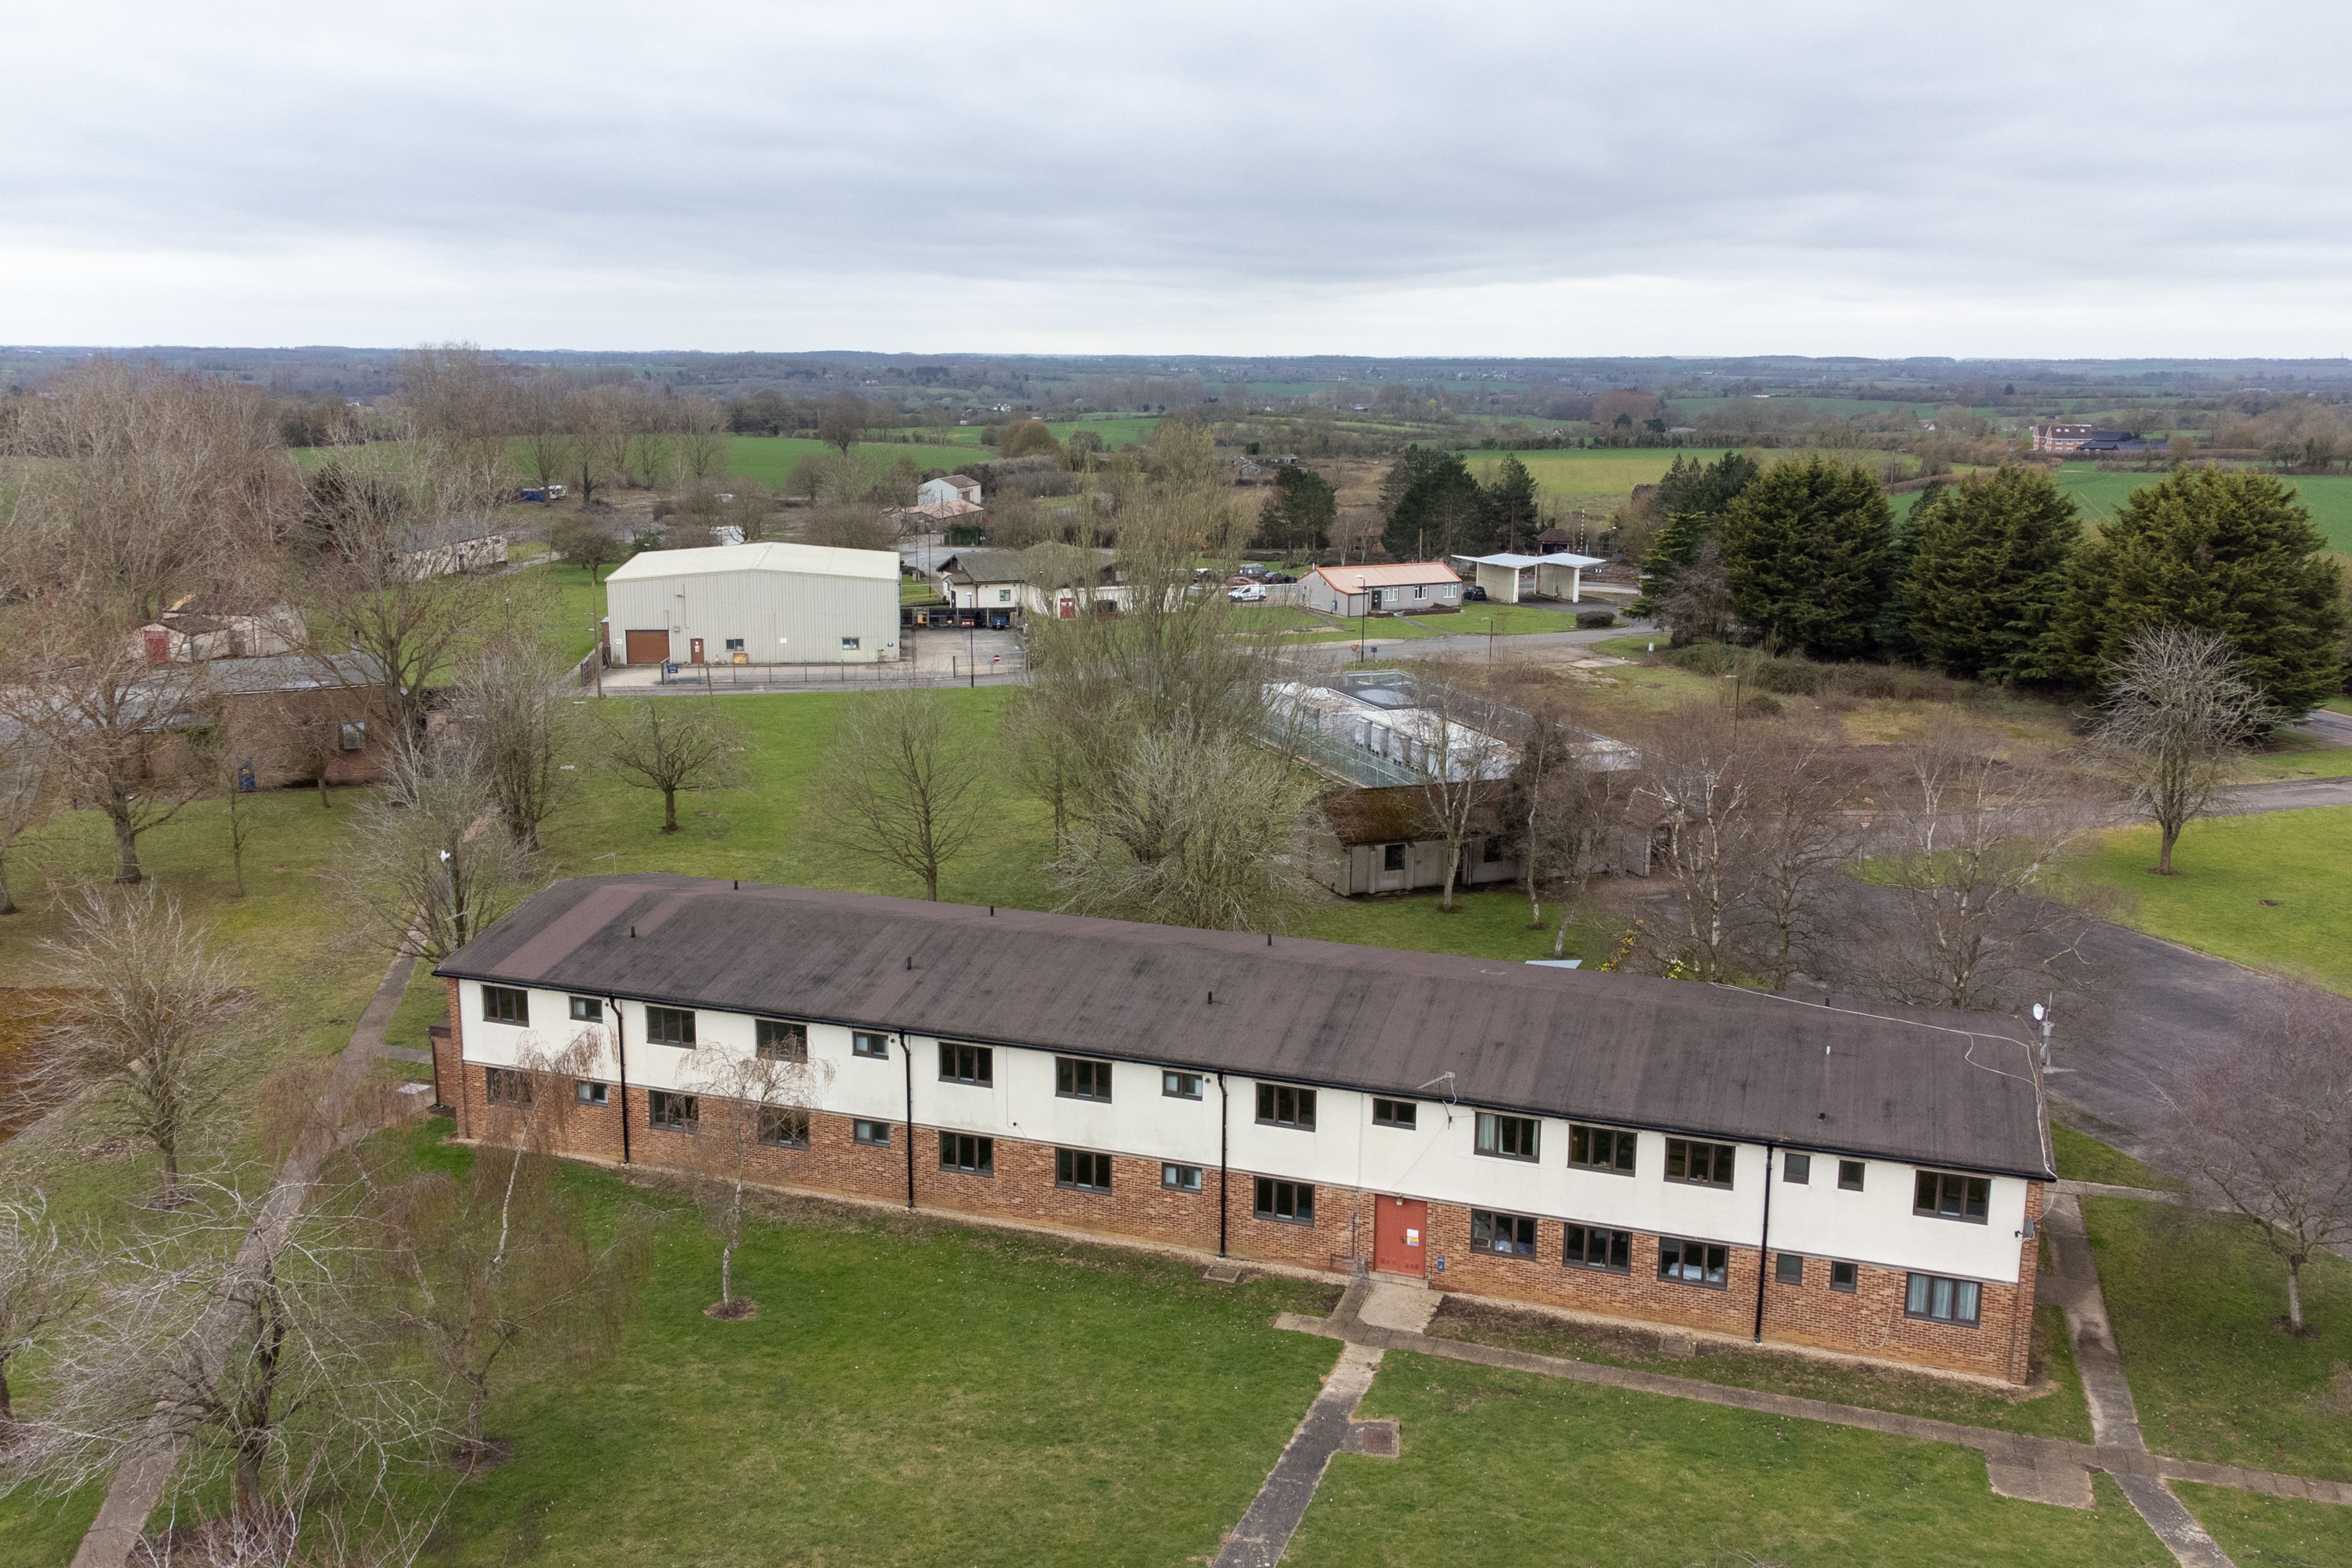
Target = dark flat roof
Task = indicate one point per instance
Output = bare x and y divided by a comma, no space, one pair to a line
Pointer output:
1937,1089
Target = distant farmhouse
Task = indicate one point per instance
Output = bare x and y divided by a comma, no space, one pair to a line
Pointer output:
2088,438
990,588
1412,588
763,603
948,488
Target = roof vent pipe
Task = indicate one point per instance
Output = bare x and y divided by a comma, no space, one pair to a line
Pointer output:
910,961
633,933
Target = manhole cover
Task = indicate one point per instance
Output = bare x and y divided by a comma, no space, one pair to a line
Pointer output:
1377,1438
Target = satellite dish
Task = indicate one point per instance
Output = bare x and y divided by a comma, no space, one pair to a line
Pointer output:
2040,1013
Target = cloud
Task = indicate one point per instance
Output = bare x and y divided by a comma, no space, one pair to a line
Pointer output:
1517,179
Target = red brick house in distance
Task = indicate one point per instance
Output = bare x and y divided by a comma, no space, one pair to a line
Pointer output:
1723,1162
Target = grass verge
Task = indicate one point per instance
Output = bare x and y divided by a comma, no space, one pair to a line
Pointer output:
2083,1158
2053,1408
2193,1297
1506,1468
2259,1531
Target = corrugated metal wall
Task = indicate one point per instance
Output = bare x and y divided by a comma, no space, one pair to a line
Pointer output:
810,613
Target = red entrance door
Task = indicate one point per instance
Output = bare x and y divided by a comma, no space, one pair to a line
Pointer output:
694,654
1400,1236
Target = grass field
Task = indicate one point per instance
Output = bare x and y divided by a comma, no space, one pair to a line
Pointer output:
2258,1531
2329,497
2266,890
769,458
2083,1158
2193,1297
1506,1468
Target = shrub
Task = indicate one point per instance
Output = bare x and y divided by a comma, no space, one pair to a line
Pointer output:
1768,706
1704,658
1589,618
1791,676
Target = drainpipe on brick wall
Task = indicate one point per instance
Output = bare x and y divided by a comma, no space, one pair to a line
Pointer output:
908,1052
1763,1246
1221,1164
621,1049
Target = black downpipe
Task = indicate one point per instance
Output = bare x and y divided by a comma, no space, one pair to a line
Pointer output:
1221,1164
907,1051
621,1049
1763,1246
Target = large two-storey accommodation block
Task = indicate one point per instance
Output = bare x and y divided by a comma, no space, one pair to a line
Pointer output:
1696,1157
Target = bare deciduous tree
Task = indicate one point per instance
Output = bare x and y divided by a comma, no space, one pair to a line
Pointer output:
2266,1126
230,747
1191,835
517,721
901,785
1465,768
671,744
1695,767
44,1275
85,698
2176,717
28,795
702,437
1971,843
1797,842
498,1262
1565,813
156,1014
747,1103
429,867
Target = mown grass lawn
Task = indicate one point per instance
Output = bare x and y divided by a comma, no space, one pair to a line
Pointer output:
2260,1531
911,1392
2055,1409
2292,755
1506,1468
2083,1158
769,458
2193,1297
2266,890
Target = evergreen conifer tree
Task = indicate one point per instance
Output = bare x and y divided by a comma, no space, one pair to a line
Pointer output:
1806,551
1510,500
2216,550
1988,566
1441,512
1694,496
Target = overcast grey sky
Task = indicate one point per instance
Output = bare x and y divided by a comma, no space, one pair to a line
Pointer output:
1500,179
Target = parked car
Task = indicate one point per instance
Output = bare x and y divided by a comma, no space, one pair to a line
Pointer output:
1471,591
1249,568
1247,594
1280,577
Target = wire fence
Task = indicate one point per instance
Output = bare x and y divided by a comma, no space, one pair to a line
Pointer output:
960,670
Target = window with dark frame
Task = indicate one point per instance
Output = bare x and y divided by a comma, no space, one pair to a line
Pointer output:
1789,1269
1850,1175
1505,1235
1081,1169
672,1111
868,1043
1797,1168
1591,1247
780,1127
1601,1149
966,1064
1942,1300
1492,852
670,1026
972,1156
877,1134
1180,1178
1845,1277
587,1010
1694,1262
1280,1105
505,1086
1392,857
1180,1085
1943,1194
1401,1114
1075,1077
1507,1137
589,1092
1698,1164
779,1041
505,1004
1291,1203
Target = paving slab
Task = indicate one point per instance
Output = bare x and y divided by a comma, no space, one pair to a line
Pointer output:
1264,1532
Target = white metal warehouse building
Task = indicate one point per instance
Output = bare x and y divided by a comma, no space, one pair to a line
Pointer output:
768,603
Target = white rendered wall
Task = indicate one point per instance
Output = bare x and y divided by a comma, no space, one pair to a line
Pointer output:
782,617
